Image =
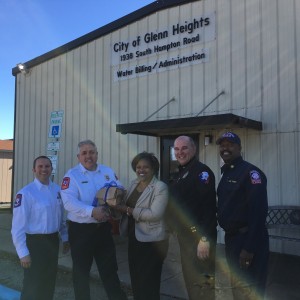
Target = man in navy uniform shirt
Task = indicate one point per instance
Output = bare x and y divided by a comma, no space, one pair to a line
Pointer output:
191,214
242,212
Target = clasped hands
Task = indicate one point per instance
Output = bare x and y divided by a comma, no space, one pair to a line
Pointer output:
100,214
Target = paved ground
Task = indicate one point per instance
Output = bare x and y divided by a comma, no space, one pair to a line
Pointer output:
283,281
11,276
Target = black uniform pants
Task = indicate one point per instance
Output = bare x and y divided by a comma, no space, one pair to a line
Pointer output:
247,284
39,279
145,266
88,242
199,275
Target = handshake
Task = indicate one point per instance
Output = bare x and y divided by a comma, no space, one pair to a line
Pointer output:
108,197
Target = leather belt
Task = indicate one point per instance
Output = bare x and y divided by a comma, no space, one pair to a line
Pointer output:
42,235
97,225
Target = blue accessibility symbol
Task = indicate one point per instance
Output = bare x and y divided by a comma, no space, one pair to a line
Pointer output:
55,130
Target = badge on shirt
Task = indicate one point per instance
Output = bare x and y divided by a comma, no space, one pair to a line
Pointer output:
107,177
204,177
255,177
65,183
18,200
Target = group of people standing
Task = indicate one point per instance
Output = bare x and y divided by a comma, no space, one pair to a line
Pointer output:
151,210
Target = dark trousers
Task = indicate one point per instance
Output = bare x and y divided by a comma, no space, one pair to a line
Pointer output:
39,279
199,275
247,284
145,266
88,242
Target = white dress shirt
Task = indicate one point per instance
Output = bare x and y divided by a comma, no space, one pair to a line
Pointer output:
79,188
38,209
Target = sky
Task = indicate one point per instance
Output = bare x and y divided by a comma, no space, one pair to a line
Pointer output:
30,28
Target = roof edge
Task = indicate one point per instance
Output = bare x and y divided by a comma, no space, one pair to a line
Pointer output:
104,30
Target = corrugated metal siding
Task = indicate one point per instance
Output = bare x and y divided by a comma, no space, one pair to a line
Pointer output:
6,161
254,59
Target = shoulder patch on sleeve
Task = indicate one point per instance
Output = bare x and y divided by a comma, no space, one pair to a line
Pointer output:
65,183
18,200
255,177
204,177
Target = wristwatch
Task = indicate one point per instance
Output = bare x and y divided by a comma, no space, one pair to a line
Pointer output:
203,239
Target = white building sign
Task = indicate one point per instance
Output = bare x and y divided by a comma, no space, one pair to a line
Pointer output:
165,49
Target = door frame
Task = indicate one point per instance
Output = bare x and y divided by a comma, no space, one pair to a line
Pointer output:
166,143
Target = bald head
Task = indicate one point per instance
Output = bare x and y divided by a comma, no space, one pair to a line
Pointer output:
185,149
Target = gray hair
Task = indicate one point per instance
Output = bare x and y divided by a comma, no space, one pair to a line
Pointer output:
188,138
86,142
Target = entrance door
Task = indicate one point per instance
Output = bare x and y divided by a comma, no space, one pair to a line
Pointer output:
169,165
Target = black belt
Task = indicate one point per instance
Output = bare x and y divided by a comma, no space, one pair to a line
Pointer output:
235,231
42,235
88,225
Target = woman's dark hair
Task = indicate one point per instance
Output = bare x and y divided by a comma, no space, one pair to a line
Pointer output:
150,157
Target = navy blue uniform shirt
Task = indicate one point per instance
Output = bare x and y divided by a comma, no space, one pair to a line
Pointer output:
193,200
243,200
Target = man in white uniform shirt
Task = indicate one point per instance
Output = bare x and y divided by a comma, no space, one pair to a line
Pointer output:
89,230
38,219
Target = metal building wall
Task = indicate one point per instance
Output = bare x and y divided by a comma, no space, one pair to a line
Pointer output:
254,59
6,161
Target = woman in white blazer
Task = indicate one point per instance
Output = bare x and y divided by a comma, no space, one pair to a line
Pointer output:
143,222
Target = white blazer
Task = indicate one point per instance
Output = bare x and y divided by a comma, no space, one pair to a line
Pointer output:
148,212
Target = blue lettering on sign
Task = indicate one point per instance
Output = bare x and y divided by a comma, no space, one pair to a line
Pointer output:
55,130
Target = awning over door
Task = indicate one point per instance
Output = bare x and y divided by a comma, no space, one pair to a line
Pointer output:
188,125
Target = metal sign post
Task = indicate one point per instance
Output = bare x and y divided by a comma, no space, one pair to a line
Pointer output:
54,134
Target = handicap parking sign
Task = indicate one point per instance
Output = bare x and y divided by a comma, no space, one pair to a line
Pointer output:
56,120
54,130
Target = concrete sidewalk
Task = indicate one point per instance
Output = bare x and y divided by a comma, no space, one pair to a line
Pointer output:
172,284
283,282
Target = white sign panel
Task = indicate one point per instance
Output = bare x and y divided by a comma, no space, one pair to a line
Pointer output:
56,120
53,146
165,62
56,114
53,159
180,42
